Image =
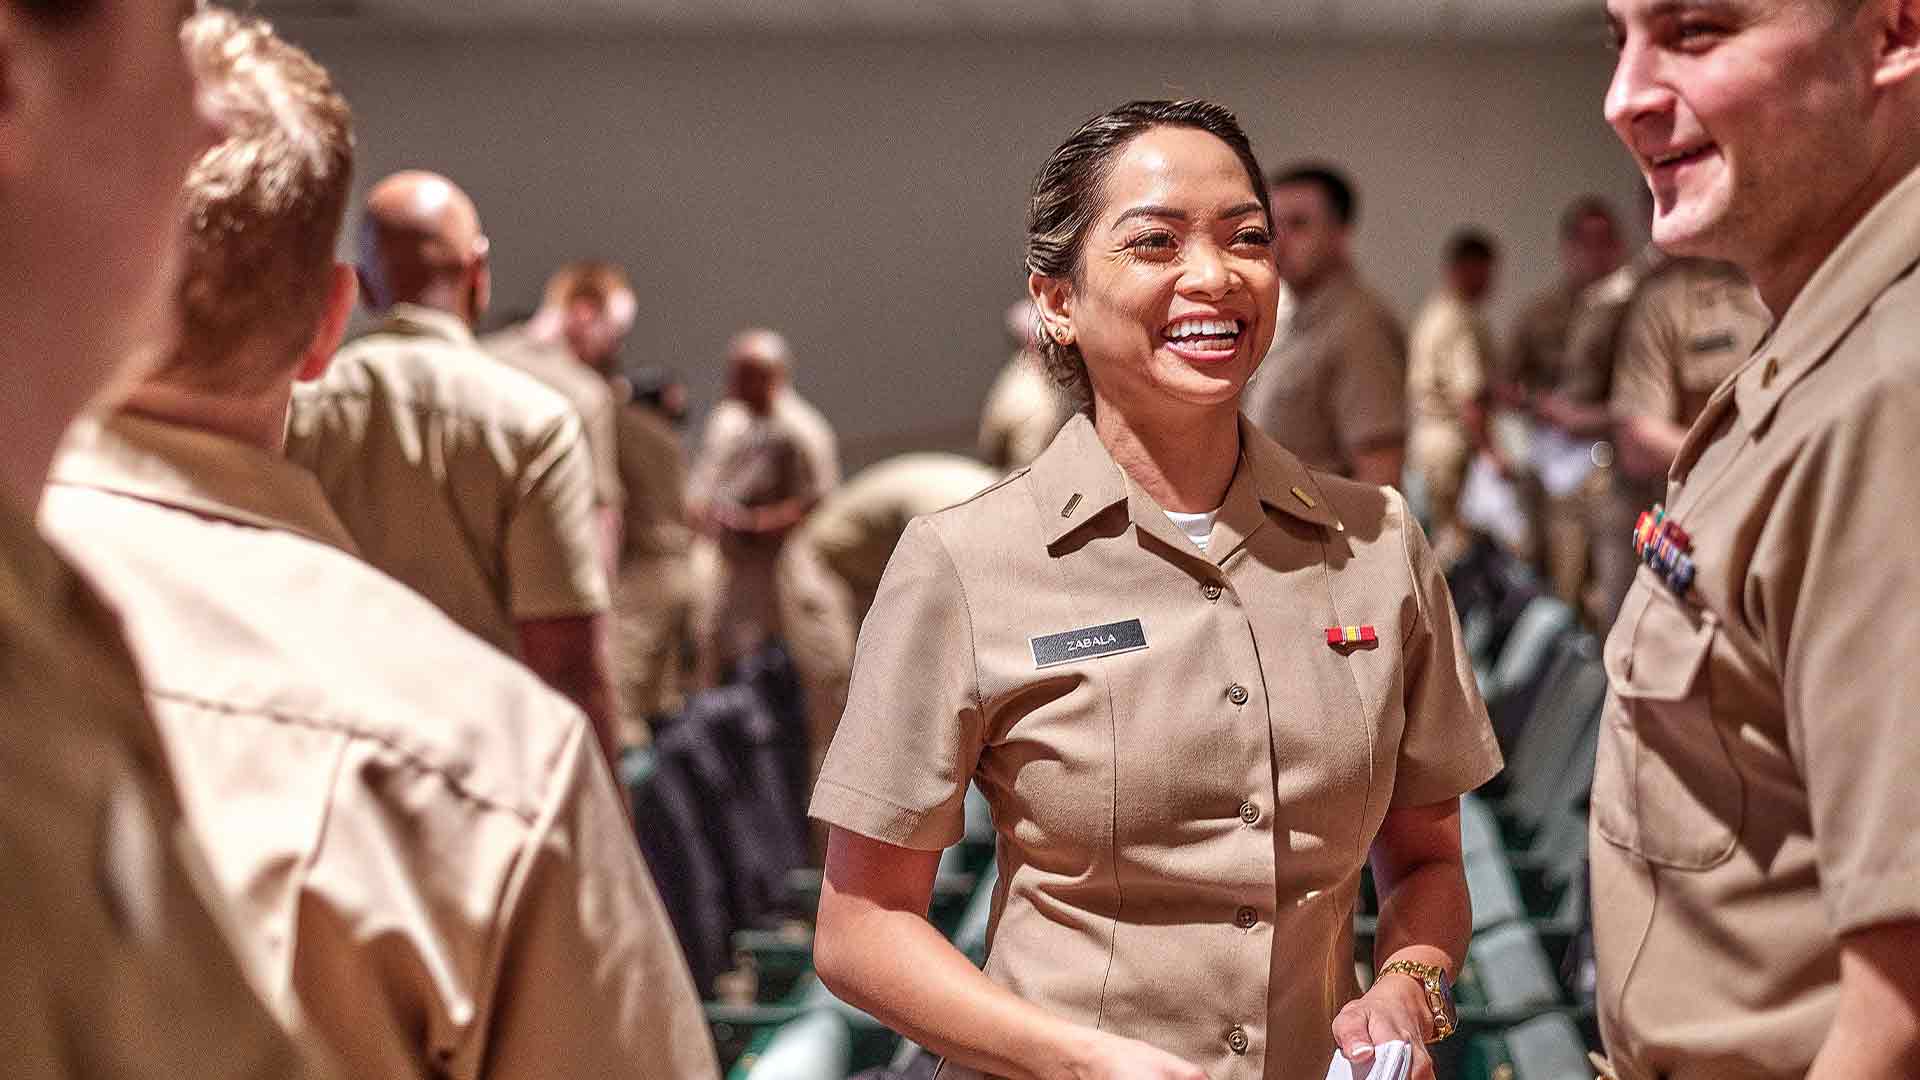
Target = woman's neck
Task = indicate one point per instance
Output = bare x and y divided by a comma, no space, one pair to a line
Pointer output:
1185,460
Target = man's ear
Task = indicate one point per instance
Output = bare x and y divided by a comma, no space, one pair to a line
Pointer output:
342,290
482,283
26,79
1898,58
1054,298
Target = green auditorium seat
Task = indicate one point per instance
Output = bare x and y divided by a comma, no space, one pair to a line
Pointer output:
1528,649
1547,1047
1551,762
815,1046
1494,890
1507,977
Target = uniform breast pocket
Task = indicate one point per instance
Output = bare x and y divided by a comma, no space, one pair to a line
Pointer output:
1667,788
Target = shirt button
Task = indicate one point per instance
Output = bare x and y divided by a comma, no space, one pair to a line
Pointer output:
1249,813
1211,590
1237,694
1237,1039
1246,918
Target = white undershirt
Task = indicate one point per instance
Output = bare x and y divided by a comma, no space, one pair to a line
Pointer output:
1197,526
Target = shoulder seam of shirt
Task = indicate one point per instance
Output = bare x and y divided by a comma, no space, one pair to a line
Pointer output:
1398,503
966,607
346,728
530,427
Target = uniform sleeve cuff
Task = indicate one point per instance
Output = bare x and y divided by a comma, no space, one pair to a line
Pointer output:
877,819
1438,783
1862,902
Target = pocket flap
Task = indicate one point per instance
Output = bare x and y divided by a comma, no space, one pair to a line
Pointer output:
1659,644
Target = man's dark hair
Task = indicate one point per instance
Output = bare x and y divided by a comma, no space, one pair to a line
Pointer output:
56,12
1470,244
1580,210
1333,185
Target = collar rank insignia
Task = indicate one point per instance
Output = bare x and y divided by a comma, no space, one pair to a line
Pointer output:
1341,637
1662,544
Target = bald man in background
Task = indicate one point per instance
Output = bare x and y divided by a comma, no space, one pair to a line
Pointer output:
465,479
759,471
572,344
1024,409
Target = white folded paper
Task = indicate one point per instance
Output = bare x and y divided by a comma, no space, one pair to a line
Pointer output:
1390,1061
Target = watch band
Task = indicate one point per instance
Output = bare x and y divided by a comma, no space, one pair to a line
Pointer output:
1433,980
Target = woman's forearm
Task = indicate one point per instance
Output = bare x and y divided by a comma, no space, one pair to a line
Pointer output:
1426,915
901,971
897,967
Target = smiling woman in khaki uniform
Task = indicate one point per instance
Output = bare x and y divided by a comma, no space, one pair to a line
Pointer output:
1186,775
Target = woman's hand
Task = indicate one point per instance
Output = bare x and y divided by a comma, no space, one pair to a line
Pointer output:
1110,1057
1394,1010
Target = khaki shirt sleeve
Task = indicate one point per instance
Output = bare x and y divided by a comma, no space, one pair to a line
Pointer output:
911,735
1370,387
1463,367
552,547
591,978
1522,366
603,445
1447,747
1841,618
1643,377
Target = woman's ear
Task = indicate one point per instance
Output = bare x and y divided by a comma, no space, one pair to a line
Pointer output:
1054,298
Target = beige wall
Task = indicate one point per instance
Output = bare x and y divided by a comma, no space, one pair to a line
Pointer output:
867,197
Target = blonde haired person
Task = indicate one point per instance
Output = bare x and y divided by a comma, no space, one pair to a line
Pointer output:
424,850
571,344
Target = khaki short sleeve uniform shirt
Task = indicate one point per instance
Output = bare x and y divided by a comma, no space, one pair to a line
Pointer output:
1449,359
1335,382
419,840
1688,329
466,480
590,396
1753,800
653,471
115,965
1185,775
1022,414
1538,351
818,441
854,530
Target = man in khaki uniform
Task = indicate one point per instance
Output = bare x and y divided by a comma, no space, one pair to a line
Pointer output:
1024,409
1756,852
571,344
1333,388
1572,457
832,566
1590,249
757,476
1691,324
423,849
653,594
1450,360
466,480
115,966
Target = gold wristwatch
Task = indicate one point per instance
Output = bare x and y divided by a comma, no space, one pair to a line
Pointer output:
1439,993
